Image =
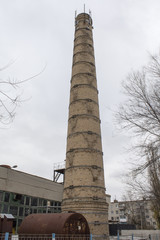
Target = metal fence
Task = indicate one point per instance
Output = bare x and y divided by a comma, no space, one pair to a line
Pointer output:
72,237
53,236
32,237
136,237
5,236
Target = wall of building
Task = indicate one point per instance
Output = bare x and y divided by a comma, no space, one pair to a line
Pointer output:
145,233
22,194
137,212
19,182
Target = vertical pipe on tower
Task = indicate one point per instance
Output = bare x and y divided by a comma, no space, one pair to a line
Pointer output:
84,188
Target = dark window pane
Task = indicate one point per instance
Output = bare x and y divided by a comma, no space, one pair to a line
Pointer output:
34,201
20,211
44,202
19,222
40,210
6,197
5,208
1,196
34,210
40,202
59,209
27,201
14,223
17,197
14,210
27,212
22,200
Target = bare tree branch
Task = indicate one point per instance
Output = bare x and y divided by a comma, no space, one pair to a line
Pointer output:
9,97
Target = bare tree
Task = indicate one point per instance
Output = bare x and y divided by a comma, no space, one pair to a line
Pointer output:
10,96
140,115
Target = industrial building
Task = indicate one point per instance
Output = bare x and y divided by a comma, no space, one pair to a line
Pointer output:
22,194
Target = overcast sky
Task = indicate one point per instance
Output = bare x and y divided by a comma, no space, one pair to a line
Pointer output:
35,33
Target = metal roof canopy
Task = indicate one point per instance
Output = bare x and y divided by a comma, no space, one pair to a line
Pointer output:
9,216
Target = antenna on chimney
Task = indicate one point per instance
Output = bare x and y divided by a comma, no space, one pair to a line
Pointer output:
84,8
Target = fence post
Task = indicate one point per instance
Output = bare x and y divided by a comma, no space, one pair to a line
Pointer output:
132,236
6,235
90,237
53,236
118,235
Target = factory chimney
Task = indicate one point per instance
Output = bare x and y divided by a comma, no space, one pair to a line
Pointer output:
84,188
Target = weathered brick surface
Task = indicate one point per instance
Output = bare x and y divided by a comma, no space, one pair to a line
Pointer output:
82,56
83,91
83,157
83,123
84,188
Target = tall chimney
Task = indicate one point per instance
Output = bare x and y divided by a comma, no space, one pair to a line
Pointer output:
84,188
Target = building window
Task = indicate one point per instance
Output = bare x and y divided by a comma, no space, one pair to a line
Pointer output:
1,196
21,211
19,221
27,200
6,197
17,197
22,200
27,212
116,212
44,202
5,208
34,201
14,210
34,210
40,202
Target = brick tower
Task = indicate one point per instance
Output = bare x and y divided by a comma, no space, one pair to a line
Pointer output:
84,188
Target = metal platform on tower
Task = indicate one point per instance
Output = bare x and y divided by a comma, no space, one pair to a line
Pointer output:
58,172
